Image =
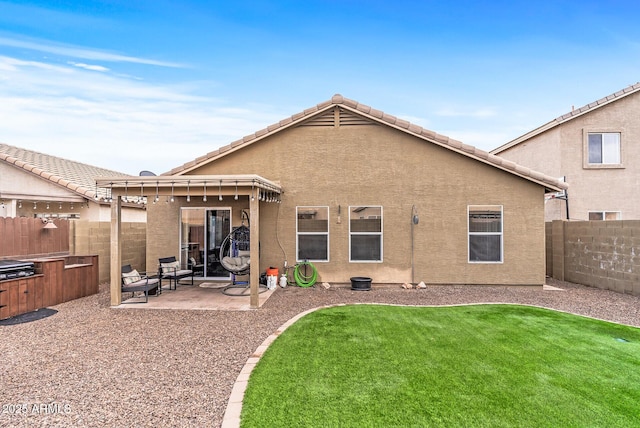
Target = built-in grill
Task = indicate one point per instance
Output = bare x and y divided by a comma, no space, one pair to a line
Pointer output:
11,269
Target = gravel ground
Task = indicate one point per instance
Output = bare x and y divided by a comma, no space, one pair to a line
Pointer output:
92,366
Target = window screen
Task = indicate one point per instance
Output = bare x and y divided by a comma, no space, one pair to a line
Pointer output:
312,233
485,233
365,234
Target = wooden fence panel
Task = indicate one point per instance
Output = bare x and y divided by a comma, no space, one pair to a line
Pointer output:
27,237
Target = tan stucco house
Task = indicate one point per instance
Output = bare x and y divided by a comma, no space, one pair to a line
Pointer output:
595,148
357,192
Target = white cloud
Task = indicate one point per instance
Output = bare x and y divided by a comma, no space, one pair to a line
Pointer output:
88,66
81,52
113,122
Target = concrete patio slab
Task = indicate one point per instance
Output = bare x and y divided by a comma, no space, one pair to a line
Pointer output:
194,297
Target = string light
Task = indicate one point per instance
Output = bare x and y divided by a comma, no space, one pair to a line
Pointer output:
188,195
172,198
204,198
236,195
220,190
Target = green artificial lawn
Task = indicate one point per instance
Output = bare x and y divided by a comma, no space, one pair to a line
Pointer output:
464,366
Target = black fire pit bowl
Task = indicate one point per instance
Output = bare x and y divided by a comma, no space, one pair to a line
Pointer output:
360,283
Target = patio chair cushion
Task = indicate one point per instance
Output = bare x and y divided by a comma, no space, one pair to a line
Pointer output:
236,261
181,273
144,282
131,277
170,268
236,264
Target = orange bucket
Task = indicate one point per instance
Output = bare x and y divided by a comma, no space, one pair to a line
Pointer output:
272,271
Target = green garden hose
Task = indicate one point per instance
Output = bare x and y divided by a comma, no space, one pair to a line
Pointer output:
303,280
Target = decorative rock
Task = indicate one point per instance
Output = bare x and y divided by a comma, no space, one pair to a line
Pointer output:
407,286
421,285
326,285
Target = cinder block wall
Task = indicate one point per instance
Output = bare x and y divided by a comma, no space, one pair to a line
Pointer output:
95,238
602,254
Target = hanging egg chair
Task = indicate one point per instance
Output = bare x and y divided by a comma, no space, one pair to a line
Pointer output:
235,258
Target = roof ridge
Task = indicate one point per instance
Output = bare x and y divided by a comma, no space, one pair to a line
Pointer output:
604,100
380,116
569,116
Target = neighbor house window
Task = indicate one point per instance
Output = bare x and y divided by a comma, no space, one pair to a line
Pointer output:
365,234
604,215
485,233
603,148
312,233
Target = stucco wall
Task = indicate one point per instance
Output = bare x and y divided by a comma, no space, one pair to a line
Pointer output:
560,152
602,254
377,165
95,238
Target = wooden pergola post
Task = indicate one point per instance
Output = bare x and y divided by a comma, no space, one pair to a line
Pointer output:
254,248
116,251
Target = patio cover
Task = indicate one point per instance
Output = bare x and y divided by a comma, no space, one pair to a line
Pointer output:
145,188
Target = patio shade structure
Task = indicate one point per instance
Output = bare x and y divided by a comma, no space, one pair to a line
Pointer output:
153,188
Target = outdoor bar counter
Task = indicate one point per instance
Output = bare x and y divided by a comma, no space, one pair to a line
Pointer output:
56,280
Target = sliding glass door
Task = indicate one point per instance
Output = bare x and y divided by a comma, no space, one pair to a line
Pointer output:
218,227
202,232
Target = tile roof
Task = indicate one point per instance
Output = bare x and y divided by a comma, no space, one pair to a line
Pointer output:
74,176
381,117
569,116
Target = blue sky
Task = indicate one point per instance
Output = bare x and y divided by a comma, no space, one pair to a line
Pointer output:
137,85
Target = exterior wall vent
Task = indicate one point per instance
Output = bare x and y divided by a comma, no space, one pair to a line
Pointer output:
338,117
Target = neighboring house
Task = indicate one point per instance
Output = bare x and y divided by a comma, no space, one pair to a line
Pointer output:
34,184
596,148
357,192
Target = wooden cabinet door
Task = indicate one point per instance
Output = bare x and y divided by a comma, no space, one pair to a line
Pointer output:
8,299
26,296
39,291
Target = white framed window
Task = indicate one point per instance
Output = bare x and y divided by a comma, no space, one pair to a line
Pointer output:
603,148
485,234
604,215
312,233
365,233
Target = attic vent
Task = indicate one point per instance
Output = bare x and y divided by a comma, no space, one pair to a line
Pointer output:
349,118
341,116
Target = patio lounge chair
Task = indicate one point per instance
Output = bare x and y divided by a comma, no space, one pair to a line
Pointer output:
134,281
169,268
